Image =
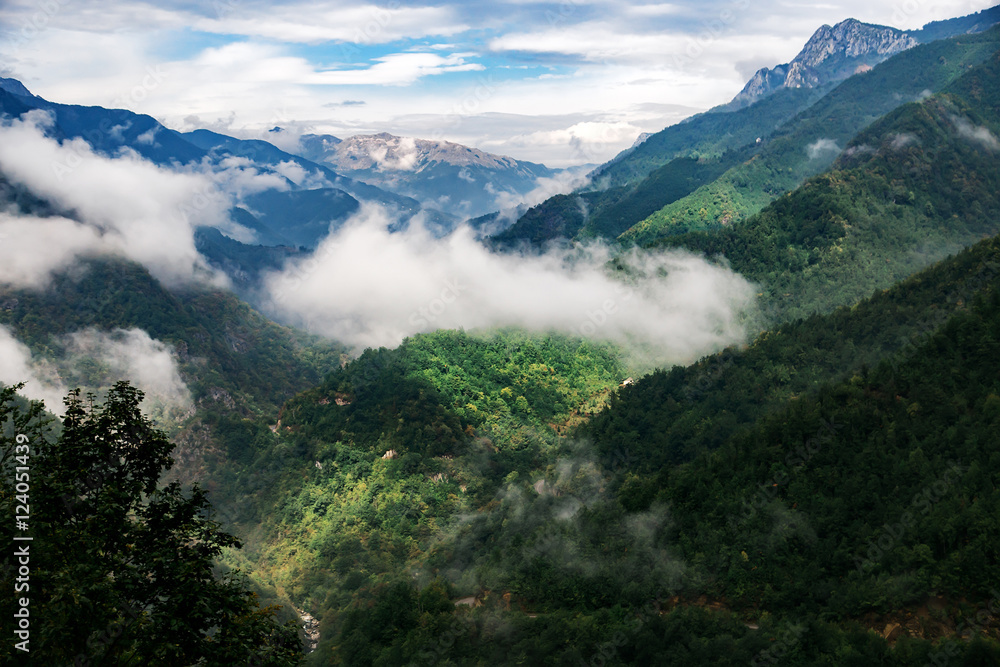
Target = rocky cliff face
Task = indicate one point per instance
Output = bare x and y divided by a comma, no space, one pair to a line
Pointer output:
851,47
831,54
853,39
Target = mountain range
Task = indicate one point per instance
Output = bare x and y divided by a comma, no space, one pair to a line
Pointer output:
465,182
820,489
731,161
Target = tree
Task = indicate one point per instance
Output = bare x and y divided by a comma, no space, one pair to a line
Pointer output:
121,569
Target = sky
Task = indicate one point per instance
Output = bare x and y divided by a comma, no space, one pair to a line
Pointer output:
561,83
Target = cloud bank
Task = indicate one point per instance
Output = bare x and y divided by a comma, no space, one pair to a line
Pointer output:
95,360
42,381
367,287
124,206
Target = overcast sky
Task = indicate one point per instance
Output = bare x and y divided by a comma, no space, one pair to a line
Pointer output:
556,82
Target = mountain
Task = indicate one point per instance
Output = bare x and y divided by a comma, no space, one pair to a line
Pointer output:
810,142
825,494
831,54
913,187
721,188
851,47
698,186
286,220
465,182
14,86
405,486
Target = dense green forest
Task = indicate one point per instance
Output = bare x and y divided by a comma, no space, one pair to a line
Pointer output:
703,514
229,351
727,497
106,565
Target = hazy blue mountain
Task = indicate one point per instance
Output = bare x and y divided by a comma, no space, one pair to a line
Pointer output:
106,130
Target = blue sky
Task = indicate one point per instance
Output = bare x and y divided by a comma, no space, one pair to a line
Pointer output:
562,83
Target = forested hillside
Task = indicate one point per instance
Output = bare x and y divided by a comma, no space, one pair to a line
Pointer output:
825,491
698,502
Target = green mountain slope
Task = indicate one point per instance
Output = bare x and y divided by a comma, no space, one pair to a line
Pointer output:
707,134
239,366
438,471
869,495
917,185
676,160
411,478
808,144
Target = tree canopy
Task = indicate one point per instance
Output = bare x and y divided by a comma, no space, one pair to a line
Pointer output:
121,569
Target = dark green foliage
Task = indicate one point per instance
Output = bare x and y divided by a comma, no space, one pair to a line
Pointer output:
559,217
707,134
670,415
620,208
676,161
121,570
869,494
226,348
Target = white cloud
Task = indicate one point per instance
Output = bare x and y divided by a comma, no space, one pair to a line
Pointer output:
398,69
148,137
297,174
367,287
822,148
976,133
123,205
94,361
35,248
902,140
545,187
42,381
129,354
318,22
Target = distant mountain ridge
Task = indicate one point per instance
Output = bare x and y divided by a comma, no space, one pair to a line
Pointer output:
457,179
847,48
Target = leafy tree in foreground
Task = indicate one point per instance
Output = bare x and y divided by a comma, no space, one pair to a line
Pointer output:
121,571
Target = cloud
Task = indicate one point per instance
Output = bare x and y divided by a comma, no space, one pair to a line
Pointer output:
98,359
902,140
822,148
319,22
398,69
42,381
124,206
513,204
94,360
238,177
976,133
35,248
297,174
367,287
590,142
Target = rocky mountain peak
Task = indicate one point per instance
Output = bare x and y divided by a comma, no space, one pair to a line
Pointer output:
853,39
832,53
